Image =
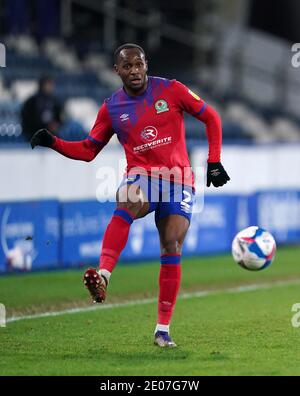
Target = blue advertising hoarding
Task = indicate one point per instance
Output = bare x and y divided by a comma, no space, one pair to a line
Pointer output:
213,228
49,234
30,235
83,227
84,224
278,212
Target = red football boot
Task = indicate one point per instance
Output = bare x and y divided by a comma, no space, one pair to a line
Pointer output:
96,285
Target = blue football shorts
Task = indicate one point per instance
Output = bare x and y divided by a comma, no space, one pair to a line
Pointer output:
165,197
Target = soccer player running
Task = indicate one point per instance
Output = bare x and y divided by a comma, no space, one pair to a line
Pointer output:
147,116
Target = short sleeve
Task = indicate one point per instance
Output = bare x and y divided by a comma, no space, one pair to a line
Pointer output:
187,100
102,131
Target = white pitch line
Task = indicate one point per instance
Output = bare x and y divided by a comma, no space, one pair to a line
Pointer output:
184,296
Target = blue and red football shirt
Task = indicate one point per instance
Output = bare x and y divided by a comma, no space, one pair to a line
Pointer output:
151,129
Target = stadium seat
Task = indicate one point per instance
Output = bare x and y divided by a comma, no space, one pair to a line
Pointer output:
23,89
83,110
285,129
5,94
253,124
260,47
72,130
246,93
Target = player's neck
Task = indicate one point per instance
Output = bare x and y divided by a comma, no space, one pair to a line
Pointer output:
140,92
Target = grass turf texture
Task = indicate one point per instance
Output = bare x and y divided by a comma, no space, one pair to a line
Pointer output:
222,334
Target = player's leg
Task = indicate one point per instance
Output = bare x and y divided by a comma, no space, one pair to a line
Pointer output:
131,204
173,217
172,231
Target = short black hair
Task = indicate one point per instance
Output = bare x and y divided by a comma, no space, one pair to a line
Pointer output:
126,46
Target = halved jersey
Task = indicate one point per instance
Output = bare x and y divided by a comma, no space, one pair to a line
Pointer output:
151,128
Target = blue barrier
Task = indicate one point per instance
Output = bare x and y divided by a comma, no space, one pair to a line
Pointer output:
49,234
83,227
30,235
212,230
278,212
84,224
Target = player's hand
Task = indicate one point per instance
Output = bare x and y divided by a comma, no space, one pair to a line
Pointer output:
216,174
42,138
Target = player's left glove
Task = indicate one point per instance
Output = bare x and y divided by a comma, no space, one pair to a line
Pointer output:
42,138
216,174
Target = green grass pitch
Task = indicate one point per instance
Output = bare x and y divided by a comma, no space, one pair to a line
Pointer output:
227,331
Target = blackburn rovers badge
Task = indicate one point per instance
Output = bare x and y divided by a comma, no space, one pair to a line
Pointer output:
161,106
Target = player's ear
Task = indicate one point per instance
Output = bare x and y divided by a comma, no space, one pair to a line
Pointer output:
116,69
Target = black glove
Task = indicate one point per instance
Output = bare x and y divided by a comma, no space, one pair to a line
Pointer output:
42,138
216,174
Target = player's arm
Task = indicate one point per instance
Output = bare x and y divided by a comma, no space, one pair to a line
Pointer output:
192,104
85,150
216,174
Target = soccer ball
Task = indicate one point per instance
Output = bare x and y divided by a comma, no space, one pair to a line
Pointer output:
254,249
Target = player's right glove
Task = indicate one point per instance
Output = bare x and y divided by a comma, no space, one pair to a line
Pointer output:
42,138
216,174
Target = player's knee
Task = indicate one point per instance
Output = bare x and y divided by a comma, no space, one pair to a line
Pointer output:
133,207
171,246
131,198
130,195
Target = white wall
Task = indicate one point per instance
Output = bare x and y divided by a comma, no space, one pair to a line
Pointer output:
42,173
253,168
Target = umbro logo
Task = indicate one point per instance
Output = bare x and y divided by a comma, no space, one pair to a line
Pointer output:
124,117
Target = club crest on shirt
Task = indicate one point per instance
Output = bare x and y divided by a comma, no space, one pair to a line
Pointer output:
161,106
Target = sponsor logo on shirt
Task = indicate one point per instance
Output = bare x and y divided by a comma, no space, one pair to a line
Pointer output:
124,117
194,95
149,134
152,145
161,106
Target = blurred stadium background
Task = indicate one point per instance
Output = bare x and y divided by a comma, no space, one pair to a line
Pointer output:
236,54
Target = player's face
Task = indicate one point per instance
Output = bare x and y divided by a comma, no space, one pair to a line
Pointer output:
132,68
